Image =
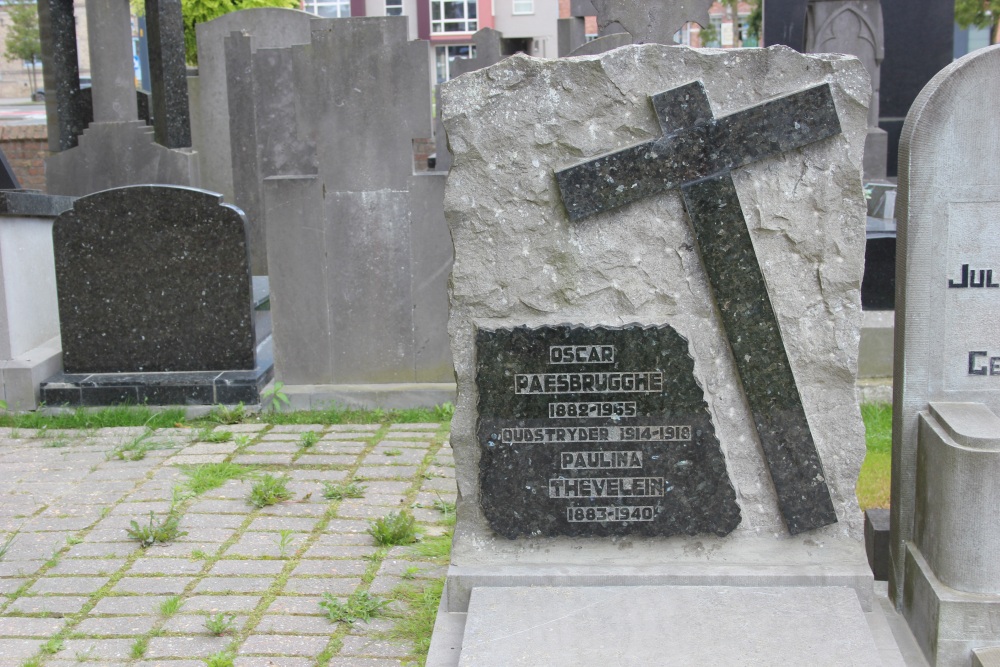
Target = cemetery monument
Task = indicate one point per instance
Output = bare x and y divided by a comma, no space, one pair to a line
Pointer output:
655,318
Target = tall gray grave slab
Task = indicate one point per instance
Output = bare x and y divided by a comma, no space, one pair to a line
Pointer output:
854,27
226,143
168,72
155,300
367,315
628,413
944,569
622,22
61,73
116,149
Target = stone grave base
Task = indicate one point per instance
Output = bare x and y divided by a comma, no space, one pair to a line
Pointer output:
177,388
21,376
948,623
875,352
668,625
394,396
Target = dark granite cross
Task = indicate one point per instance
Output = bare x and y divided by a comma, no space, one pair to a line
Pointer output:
696,154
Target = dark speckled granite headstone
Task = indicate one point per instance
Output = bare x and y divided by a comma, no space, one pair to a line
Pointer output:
596,432
153,278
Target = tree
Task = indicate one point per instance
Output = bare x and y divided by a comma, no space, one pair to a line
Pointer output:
23,42
200,11
981,14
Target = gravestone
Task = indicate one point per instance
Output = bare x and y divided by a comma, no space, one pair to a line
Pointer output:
223,129
155,301
655,317
944,569
854,27
29,315
118,149
358,250
623,22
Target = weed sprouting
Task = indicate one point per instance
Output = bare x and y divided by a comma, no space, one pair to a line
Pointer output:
308,439
394,528
139,647
170,606
361,606
161,531
339,491
208,476
136,448
269,490
228,414
285,540
393,452
220,624
220,659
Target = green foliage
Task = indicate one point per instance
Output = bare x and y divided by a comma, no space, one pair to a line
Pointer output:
277,396
225,414
53,645
220,659
139,647
361,606
433,547
444,412
171,606
136,448
6,545
447,508
220,624
872,488
82,418
208,435
979,14
308,439
394,528
285,538
23,41
208,476
417,624
393,452
156,531
269,490
339,491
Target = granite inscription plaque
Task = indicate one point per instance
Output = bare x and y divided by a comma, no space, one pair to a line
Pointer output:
597,431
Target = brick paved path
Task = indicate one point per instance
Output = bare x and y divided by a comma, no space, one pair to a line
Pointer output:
76,590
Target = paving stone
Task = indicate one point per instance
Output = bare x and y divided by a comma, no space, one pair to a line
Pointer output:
116,626
389,456
191,550
204,448
10,585
185,647
134,509
364,510
316,507
153,585
297,604
216,535
282,645
129,605
51,604
158,663
403,444
221,603
20,649
167,566
67,585
79,566
318,475
22,626
195,624
247,567
385,472
273,661
330,568
412,569
221,506
101,549
425,426
109,534
338,551
256,545
189,521
246,428
363,662
271,523
263,459
233,584
320,585
439,484
384,584
339,447
296,428
296,625
52,524
269,445
425,515
346,526
388,488
346,539
99,650
196,459
378,648
326,460
374,627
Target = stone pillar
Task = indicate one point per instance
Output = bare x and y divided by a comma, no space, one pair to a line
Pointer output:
168,73
111,60
60,72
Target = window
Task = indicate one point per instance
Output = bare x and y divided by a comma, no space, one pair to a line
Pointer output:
445,55
453,16
524,6
329,9
393,7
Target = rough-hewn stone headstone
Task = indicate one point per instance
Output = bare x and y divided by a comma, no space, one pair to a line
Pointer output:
153,278
944,545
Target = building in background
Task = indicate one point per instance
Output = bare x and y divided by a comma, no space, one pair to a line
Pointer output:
15,77
724,31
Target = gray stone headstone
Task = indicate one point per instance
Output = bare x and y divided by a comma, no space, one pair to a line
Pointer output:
944,568
153,279
854,27
607,246
224,134
358,251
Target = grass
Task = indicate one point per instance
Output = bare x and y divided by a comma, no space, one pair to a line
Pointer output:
136,448
433,547
361,606
873,483
82,418
220,659
417,624
339,491
269,490
208,476
308,439
208,435
394,528
171,606
220,624
139,647
160,531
